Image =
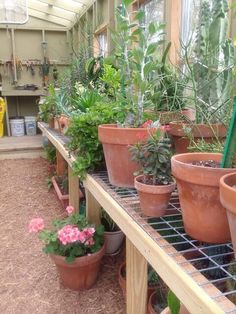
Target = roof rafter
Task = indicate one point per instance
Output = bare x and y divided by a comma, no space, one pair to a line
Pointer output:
71,6
49,18
53,11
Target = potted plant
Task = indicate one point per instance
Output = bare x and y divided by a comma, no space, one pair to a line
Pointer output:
227,198
47,109
154,182
75,246
137,61
209,66
113,235
197,176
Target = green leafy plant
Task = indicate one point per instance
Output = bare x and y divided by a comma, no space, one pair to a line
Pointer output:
70,237
154,158
83,131
63,183
173,303
47,109
136,58
108,222
209,65
50,151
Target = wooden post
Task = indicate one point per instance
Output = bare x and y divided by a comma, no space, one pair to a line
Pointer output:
73,189
136,280
92,208
61,164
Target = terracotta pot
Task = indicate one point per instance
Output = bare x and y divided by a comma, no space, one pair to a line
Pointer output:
64,199
165,117
80,274
114,241
203,215
228,200
56,123
208,132
64,123
51,123
154,199
116,142
122,281
182,310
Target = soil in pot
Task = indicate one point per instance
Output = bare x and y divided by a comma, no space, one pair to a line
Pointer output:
154,199
203,215
80,274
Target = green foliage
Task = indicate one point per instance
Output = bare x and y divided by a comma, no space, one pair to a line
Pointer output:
63,183
210,65
173,303
49,183
136,58
47,109
154,158
83,132
71,250
202,146
50,151
153,278
108,222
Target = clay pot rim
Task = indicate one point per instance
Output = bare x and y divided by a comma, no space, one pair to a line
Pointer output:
115,127
193,124
225,185
113,232
153,189
60,260
176,159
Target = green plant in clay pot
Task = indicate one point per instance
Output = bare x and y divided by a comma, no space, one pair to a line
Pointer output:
113,235
47,110
154,182
75,246
136,57
209,65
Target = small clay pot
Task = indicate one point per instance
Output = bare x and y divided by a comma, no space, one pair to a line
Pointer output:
51,123
154,199
80,274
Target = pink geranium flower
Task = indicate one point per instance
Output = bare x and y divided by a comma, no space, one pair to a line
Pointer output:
36,225
70,209
68,234
90,242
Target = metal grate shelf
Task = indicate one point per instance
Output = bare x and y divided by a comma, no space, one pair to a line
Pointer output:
207,264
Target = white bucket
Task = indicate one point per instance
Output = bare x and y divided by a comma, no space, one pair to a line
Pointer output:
30,125
17,127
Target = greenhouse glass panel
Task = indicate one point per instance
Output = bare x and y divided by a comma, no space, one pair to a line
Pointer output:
13,12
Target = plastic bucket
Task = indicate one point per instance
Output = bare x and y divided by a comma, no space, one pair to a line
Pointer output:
30,125
17,127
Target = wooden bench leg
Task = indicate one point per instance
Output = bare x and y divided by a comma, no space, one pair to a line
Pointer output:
61,164
73,189
93,208
136,280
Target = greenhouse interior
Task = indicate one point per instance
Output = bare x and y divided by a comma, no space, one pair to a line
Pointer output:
117,135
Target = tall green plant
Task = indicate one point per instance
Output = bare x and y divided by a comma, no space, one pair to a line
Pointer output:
211,64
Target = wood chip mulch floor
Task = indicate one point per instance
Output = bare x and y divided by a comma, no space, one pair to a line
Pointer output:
28,279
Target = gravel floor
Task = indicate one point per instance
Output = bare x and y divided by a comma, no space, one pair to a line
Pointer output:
28,279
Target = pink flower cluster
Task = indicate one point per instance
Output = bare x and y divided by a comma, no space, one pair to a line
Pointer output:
70,209
71,234
36,225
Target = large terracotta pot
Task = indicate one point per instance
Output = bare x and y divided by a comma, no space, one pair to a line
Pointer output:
165,117
116,143
153,300
114,241
80,274
203,215
199,131
228,200
154,199
64,123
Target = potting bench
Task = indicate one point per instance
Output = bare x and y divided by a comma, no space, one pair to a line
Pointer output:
197,273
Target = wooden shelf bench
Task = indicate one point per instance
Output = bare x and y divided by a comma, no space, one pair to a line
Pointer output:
160,242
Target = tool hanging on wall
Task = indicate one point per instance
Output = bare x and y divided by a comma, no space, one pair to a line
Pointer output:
55,73
45,67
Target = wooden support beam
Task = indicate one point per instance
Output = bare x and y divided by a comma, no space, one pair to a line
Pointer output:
136,280
61,164
49,18
73,189
65,5
93,208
